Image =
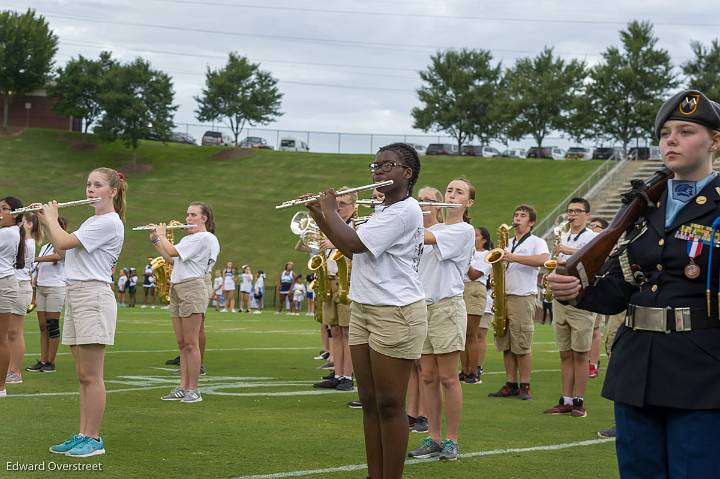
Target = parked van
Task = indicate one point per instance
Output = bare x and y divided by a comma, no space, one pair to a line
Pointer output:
477,150
442,149
216,138
293,144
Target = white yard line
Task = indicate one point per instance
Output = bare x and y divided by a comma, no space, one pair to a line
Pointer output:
112,351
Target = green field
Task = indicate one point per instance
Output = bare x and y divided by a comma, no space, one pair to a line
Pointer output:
40,165
261,416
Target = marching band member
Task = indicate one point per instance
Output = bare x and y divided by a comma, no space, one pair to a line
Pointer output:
388,322
12,256
90,308
663,374
446,258
192,258
50,298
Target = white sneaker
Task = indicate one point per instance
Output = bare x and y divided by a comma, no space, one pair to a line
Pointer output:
143,306
153,306
13,378
256,312
234,310
3,393
223,310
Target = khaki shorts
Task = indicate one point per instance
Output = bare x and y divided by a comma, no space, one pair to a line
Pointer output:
90,313
486,320
573,328
520,313
210,291
599,320
8,294
24,298
613,323
50,299
395,331
188,297
475,296
447,326
334,313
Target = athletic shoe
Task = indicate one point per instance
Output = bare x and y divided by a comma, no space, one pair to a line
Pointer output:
175,395
560,408
508,390
35,368
354,405
411,421
191,395
461,376
327,365
427,449
346,385
88,447
257,312
480,372
321,355
607,433
70,443
421,424
203,372
173,362
327,384
472,379
524,392
48,368
593,372
143,306
3,393
13,378
578,408
329,375
449,451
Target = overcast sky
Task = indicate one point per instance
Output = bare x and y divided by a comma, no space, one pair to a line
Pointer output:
352,66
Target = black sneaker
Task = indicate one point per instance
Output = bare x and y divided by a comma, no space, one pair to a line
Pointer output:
421,424
461,376
411,421
330,375
345,385
508,390
607,433
173,362
203,372
327,365
354,405
480,372
35,368
327,384
48,368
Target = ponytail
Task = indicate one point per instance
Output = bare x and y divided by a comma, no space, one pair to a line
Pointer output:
35,232
116,180
15,204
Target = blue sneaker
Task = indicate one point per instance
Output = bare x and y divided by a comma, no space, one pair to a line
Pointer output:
64,447
449,451
88,447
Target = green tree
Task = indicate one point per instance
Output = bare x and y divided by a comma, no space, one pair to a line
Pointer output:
137,102
703,71
78,87
27,49
240,93
459,96
628,87
541,95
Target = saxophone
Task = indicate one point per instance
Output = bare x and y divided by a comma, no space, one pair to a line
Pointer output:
344,265
552,263
162,269
497,282
318,264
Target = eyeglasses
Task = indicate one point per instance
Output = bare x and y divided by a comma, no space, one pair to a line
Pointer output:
575,212
386,167
595,225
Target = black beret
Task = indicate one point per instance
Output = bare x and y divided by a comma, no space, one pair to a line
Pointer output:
689,105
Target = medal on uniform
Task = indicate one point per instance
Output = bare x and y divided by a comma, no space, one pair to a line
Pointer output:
692,270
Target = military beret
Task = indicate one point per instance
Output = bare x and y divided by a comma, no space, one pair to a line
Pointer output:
689,105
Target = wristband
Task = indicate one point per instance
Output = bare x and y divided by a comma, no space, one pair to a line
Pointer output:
156,241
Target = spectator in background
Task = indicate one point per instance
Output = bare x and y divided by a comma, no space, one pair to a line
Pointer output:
147,282
218,290
259,290
597,224
122,286
229,287
132,287
287,282
245,288
298,295
310,280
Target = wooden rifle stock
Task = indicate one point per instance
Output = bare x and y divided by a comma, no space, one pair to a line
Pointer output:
586,262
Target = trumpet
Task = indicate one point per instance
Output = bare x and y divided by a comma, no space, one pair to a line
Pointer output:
169,227
304,200
30,209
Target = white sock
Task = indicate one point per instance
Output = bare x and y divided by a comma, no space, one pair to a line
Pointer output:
338,377
347,377
567,400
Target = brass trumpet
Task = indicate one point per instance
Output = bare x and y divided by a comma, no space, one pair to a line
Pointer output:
304,200
30,209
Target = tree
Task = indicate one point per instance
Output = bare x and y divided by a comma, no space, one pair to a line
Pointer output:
703,71
27,49
240,93
78,87
137,102
628,87
459,96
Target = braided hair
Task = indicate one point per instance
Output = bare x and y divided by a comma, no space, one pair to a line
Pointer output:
409,157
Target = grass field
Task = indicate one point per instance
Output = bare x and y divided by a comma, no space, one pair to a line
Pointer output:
40,165
260,416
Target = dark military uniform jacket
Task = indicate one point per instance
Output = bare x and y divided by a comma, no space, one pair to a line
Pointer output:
675,369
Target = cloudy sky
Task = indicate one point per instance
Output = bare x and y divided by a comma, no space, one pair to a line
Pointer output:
352,66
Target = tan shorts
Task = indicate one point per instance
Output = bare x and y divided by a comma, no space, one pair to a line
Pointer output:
24,298
210,291
520,313
49,299
90,314
447,326
188,297
8,294
613,323
475,296
486,320
395,331
334,313
599,320
573,328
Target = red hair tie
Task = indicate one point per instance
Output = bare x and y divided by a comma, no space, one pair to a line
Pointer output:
121,176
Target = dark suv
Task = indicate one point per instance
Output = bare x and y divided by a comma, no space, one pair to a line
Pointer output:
442,149
608,153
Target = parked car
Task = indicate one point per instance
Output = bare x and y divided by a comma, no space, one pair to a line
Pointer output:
548,152
515,153
255,142
442,149
180,137
579,153
614,153
216,138
293,144
477,150
419,148
644,153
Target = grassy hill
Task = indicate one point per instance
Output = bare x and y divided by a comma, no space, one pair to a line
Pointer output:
244,186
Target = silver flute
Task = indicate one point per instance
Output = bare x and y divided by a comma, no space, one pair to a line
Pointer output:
371,202
169,227
304,200
30,209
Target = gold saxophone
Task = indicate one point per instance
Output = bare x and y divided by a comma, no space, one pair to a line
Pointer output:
552,263
162,269
497,282
318,264
344,264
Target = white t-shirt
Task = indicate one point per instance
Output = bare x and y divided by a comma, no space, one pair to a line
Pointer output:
195,254
24,273
214,252
133,280
520,279
443,265
50,274
386,274
478,262
9,243
260,285
576,241
299,292
245,283
122,281
101,240
217,284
